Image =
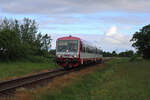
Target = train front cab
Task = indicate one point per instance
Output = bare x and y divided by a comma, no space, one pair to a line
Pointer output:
67,52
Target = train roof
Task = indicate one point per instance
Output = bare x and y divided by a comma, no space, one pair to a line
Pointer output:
69,38
75,38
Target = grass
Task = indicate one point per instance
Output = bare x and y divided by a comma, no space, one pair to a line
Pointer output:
15,69
120,79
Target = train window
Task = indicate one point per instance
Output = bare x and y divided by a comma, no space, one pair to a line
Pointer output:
89,50
83,48
86,49
67,45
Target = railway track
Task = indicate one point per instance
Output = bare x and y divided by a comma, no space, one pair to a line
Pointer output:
7,88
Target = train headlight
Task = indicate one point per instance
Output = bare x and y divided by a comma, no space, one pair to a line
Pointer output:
75,56
58,56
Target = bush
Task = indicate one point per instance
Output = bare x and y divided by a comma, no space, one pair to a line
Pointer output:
133,58
39,59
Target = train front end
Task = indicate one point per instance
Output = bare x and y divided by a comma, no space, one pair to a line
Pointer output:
67,52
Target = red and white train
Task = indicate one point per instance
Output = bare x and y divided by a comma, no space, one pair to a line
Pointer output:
73,51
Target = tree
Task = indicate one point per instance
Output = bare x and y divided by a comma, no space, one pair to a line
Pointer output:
46,40
9,45
28,30
22,39
141,41
114,53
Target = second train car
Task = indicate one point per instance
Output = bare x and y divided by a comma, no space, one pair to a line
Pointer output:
73,51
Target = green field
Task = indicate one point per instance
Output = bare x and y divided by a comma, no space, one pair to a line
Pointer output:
15,69
119,79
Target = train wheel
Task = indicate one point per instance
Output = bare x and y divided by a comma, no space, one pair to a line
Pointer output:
67,67
100,61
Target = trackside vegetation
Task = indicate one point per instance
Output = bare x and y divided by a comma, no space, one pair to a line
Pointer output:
120,79
141,41
9,70
22,40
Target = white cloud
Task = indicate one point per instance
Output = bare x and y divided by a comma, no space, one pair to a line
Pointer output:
111,31
114,37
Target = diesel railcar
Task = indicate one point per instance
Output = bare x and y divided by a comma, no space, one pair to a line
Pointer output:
73,51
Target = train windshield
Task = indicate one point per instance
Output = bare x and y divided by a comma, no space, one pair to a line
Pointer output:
67,46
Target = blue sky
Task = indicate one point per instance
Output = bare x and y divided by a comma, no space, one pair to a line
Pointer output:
108,24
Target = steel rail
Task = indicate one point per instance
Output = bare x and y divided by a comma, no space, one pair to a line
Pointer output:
19,82
32,81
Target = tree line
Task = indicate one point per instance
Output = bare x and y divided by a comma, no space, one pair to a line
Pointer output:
127,53
21,39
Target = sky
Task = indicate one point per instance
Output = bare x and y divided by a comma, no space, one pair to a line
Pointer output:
109,24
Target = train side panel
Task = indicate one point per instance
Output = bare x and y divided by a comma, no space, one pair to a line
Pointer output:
89,57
